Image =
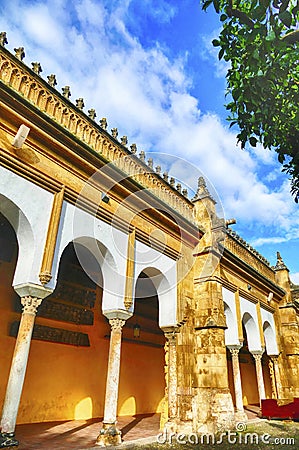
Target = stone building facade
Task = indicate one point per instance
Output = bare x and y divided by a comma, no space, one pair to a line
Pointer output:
131,297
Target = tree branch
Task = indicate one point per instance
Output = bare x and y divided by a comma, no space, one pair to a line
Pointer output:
292,37
231,12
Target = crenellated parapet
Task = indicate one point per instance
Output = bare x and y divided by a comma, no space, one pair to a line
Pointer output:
243,250
43,94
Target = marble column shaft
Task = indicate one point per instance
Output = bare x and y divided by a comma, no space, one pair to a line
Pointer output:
259,374
111,397
19,364
237,377
172,374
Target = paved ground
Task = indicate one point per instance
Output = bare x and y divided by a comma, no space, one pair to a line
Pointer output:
82,434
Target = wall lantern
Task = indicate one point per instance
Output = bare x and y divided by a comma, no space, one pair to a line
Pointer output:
136,330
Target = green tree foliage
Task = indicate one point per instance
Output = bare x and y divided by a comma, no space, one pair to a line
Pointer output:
260,39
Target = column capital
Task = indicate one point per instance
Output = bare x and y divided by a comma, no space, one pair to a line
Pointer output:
171,333
116,324
274,358
30,304
257,354
234,349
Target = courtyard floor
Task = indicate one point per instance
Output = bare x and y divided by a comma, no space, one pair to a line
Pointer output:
82,434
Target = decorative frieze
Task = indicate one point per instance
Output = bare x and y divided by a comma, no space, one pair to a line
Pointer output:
58,335
75,294
239,247
65,313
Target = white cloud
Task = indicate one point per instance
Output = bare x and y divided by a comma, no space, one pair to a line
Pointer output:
295,277
145,92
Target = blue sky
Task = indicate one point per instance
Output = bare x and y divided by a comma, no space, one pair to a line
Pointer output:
149,67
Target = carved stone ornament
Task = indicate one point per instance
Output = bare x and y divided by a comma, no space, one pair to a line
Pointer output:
92,114
19,53
57,335
124,141
171,337
80,103
133,148
36,67
45,277
66,91
280,265
142,156
114,132
30,304
52,80
103,123
257,355
202,190
216,319
234,351
116,324
3,38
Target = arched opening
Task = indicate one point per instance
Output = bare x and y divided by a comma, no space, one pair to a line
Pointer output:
271,349
67,368
142,368
9,300
247,366
231,338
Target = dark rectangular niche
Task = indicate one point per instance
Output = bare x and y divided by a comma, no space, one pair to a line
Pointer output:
58,335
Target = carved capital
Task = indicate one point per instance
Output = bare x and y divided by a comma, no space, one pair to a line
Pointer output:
116,324
257,355
30,304
171,336
234,349
274,358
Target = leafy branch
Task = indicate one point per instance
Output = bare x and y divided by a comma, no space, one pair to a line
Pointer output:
260,39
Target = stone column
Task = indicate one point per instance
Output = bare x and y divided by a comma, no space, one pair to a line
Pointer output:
109,434
259,373
277,378
240,413
171,336
17,371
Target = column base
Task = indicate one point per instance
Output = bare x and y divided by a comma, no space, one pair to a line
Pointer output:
171,426
7,440
109,435
241,417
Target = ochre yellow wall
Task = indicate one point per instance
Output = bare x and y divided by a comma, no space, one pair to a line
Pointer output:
65,382
249,382
141,379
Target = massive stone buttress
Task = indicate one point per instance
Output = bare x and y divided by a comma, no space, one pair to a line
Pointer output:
212,406
288,322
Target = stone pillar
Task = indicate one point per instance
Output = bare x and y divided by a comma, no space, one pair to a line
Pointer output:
17,371
259,373
277,378
109,434
172,383
240,413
